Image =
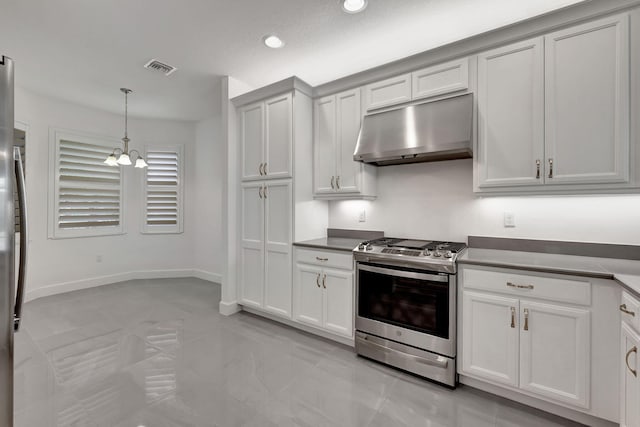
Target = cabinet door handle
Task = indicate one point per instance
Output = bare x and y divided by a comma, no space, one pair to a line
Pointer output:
318,280
550,168
264,192
513,285
324,281
513,317
623,308
338,182
264,169
260,192
333,187
322,259
626,360
526,319
260,169
537,168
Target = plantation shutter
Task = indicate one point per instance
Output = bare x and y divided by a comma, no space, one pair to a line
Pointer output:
88,192
163,190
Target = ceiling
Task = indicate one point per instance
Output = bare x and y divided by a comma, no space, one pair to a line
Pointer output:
84,51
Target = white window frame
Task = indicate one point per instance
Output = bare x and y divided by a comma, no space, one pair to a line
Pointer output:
172,228
54,231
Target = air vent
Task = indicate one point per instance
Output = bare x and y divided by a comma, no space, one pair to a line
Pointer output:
156,65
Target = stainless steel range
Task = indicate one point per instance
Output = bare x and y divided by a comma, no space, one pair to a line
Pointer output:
406,305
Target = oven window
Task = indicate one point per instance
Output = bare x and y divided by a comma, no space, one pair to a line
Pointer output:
421,305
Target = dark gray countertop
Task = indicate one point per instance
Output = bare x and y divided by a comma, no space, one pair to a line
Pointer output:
335,243
625,272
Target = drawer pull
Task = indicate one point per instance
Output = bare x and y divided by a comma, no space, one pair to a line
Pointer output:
333,178
513,285
626,360
526,319
322,259
324,281
318,280
623,308
513,317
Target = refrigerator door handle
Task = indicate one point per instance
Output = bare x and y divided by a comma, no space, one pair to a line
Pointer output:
22,269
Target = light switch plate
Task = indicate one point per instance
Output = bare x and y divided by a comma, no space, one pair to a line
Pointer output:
363,216
509,219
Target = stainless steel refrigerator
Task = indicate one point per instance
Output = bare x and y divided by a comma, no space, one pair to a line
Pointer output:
11,176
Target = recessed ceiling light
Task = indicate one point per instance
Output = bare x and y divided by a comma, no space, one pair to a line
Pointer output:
353,6
273,41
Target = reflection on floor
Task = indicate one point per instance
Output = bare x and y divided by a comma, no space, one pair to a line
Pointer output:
156,353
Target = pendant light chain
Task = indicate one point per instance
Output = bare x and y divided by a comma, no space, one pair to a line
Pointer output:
124,156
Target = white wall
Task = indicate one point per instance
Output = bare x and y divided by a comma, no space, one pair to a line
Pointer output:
436,201
211,169
65,264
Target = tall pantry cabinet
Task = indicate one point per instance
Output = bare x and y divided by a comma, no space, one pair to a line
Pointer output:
275,145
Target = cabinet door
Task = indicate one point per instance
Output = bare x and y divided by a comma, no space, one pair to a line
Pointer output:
324,145
490,337
278,230
252,245
349,172
440,79
510,115
338,301
629,383
279,136
388,92
308,303
554,352
587,103
251,139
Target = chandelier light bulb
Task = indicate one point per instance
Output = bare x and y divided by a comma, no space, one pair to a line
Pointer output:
140,163
111,160
124,159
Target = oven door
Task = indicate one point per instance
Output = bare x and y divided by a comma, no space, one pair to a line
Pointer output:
408,306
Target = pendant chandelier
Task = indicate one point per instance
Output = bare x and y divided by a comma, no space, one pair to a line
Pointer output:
124,156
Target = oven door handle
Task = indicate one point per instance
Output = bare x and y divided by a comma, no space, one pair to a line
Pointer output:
406,274
431,360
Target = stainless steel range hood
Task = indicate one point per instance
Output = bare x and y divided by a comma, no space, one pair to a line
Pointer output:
438,130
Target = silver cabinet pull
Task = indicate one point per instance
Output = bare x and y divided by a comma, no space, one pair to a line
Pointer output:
318,280
513,317
550,168
513,285
264,192
537,168
333,187
264,169
24,238
322,259
626,360
260,192
526,319
623,308
338,182
260,169
324,281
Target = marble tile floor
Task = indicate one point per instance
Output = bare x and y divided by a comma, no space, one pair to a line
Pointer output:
157,353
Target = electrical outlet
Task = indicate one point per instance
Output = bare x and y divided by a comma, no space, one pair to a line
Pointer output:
363,216
509,219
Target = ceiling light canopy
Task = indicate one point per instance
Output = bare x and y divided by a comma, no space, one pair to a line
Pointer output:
273,41
353,6
124,155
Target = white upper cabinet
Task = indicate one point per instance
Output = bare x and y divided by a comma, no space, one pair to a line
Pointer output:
337,121
587,102
266,135
511,115
554,112
440,79
388,92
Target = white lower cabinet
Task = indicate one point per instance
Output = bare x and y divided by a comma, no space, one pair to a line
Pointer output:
541,348
629,364
323,294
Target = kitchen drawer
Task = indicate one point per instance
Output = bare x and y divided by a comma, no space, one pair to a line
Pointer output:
518,282
630,311
343,260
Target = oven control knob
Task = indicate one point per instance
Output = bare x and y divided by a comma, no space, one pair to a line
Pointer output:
448,254
437,253
368,247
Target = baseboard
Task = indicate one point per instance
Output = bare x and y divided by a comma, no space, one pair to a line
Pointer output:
60,288
208,276
228,308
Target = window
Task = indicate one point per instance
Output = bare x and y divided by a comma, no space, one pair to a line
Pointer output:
163,188
86,198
